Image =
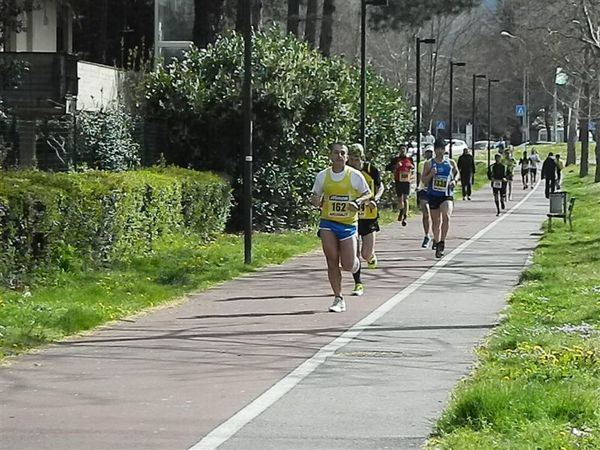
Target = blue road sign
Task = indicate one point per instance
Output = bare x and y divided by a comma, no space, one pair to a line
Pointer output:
440,125
592,126
520,110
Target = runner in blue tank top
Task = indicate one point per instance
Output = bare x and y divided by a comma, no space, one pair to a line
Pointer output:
440,175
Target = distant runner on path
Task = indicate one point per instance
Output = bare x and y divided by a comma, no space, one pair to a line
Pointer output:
524,163
509,162
423,200
368,216
402,178
497,176
534,160
440,175
339,191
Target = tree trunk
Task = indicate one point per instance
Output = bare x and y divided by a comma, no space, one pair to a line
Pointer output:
293,17
257,9
584,134
239,16
597,139
571,152
102,32
327,27
310,30
547,124
207,21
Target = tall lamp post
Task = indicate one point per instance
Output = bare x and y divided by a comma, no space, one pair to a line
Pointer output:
418,100
525,122
489,133
363,65
450,118
247,131
474,111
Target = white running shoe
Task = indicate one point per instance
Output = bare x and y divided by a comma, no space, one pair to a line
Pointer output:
339,305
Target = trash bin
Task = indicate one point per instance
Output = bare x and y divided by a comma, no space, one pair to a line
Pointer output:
558,203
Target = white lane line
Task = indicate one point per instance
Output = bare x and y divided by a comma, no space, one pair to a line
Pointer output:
236,422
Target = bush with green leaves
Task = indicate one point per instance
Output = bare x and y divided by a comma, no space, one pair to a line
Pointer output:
302,102
67,221
105,139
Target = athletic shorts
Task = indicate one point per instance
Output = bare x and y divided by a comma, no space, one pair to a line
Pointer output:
509,176
402,188
533,170
422,196
436,201
342,231
367,226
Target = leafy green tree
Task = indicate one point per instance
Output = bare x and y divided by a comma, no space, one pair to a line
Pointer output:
302,103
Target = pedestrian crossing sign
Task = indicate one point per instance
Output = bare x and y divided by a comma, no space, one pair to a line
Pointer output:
520,110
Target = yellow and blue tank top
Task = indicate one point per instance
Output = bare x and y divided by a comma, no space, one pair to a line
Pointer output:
336,197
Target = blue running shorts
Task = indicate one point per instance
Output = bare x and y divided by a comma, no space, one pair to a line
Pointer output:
341,230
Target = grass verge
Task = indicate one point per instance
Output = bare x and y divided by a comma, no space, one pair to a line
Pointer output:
537,385
69,303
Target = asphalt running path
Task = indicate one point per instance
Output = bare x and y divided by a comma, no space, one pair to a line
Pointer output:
259,362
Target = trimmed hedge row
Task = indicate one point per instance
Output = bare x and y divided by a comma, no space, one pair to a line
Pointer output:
67,219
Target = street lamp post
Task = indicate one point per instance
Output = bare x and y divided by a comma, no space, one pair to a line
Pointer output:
450,125
247,131
525,135
363,65
418,100
474,111
489,133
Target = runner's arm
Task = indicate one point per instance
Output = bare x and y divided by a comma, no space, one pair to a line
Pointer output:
428,173
360,184
316,196
379,186
455,171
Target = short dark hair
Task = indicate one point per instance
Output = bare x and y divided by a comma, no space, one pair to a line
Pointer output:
439,143
550,154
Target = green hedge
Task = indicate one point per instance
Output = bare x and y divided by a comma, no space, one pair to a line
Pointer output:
66,220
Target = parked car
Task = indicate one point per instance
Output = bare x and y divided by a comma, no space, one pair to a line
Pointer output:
458,145
482,145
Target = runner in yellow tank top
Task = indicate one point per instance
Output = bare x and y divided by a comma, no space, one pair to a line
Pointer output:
339,191
368,216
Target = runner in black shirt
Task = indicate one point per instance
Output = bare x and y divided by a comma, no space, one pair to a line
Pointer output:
497,175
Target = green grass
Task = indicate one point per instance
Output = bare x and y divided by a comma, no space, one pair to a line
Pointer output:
69,303
537,384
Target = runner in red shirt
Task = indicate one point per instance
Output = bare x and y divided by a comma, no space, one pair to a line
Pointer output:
403,174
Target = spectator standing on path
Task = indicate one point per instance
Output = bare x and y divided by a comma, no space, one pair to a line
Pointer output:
339,191
368,216
559,167
524,163
549,171
403,172
466,166
423,200
497,175
534,161
509,163
440,174
428,139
